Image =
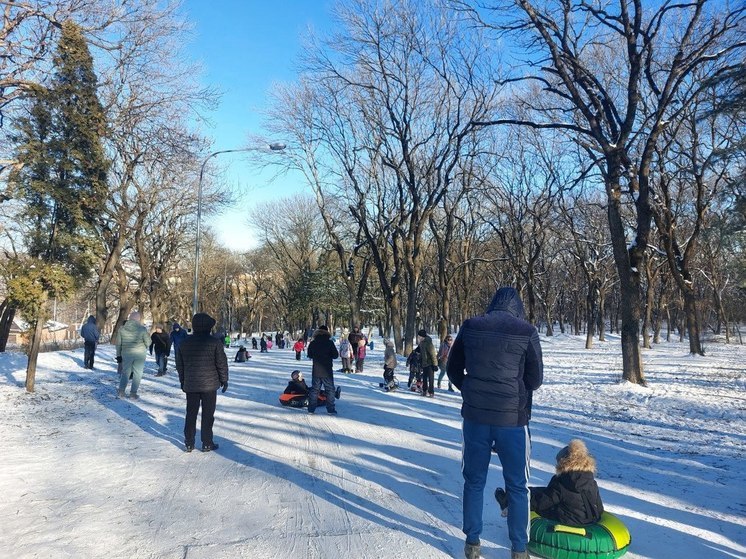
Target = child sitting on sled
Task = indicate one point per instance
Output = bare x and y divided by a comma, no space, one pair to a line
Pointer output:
296,392
572,496
296,385
242,355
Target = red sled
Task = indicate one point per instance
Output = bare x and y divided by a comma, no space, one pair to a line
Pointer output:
301,400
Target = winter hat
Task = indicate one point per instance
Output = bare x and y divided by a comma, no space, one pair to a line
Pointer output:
575,458
176,326
296,375
202,322
324,328
422,333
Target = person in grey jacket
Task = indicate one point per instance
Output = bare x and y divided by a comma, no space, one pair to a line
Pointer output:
132,342
90,334
203,368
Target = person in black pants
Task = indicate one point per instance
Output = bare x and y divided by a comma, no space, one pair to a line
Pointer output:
323,352
429,363
91,335
203,368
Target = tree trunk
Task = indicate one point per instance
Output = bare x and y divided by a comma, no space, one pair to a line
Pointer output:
7,314
396,325
648,318
628,262
692,323
601,316
33,353
590,306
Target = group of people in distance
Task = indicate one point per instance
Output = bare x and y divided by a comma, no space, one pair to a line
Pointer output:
495,362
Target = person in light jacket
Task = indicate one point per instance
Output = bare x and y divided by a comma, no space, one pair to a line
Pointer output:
132,343
389,365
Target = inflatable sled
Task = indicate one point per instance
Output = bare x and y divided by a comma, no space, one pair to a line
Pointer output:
301,400
606,539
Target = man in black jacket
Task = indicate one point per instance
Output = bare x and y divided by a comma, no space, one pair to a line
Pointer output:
501,355
323,351
203,368
161,343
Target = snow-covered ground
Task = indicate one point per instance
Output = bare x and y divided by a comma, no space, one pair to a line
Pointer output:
85,475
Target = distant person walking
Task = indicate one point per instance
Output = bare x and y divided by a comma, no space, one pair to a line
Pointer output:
496,362
178,335
358,341
345,353
160,342
203,368
132,343
443,350
299,346
91,335
429,363
323,352
389,365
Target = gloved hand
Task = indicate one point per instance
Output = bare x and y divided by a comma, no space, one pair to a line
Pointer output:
225,387
435,368
119,358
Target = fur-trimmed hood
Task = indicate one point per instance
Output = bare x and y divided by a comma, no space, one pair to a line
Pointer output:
322,332
575,458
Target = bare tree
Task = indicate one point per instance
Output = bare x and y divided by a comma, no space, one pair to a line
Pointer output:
598,63
416,80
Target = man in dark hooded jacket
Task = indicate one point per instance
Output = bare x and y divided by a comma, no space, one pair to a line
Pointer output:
203,368
496,363
90,335
178,335
323,351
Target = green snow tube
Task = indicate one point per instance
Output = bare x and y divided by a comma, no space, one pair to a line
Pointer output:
606,539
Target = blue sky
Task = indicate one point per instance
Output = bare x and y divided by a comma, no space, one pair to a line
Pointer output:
245,47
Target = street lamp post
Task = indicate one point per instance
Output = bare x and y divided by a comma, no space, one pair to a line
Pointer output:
195,295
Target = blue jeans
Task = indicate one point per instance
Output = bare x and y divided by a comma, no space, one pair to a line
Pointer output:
162,360
313,394
514,449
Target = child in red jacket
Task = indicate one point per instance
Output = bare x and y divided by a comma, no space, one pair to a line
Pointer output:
299,347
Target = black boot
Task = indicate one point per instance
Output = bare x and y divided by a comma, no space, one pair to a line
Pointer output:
501,497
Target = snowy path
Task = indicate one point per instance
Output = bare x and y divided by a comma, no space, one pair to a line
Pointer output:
86,475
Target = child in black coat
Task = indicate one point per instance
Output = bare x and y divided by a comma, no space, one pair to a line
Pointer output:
572,496
242,355
414,362
296,385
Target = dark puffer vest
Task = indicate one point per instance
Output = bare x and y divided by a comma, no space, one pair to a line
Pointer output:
501,355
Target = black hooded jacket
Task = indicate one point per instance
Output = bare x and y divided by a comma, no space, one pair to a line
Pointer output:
323,351
200,358
496,363
570,498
